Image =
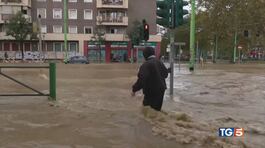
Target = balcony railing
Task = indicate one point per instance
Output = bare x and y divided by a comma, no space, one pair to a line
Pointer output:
26,3
11,1
112,4
6,17
119,21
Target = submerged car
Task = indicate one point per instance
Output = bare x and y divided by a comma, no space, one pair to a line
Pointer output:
78,60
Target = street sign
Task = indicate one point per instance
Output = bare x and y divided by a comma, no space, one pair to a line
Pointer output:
180,43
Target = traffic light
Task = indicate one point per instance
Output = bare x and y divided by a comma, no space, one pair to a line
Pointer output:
170,12
146,32
180,12
163,12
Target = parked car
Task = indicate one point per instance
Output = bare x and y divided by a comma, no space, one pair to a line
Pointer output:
78,60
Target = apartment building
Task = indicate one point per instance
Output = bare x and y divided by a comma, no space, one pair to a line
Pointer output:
113,17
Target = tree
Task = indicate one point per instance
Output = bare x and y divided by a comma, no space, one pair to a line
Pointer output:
19,28
98,39
222,20
135,34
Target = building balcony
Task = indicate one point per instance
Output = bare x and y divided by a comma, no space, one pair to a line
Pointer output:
26,3
4,18
117,21
119,4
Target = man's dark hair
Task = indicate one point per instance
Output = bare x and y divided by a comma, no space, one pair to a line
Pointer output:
148,51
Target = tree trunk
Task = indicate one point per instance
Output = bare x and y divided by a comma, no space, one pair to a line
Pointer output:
21,49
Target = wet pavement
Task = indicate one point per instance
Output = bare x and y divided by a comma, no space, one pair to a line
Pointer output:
95,110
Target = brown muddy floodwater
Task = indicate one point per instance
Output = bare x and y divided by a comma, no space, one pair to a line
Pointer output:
95,109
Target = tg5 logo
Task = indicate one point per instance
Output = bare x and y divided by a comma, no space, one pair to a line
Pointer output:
231,132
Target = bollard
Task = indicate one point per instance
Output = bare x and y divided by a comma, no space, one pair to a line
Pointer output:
52,72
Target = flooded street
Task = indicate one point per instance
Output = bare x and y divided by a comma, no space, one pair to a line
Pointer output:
224,96
95,109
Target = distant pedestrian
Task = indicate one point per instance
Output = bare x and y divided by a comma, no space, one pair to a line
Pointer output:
151,78
6,55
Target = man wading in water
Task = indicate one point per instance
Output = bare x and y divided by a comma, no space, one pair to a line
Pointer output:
151,78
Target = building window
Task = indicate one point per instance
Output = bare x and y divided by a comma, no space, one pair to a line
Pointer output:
57,46
72,29
3,28
57,0
113,30
27,47
41,12
88,30
57,13
6,46
57,29
35,46
88,1
14,47
88,14
72,1
43,29
73,46
41,0
72,13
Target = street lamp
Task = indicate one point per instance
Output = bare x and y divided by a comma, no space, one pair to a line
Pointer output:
65,30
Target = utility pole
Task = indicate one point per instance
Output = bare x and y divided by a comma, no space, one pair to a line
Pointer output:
172,40
40,36
65,30
235,47
216,49
197,53
192,36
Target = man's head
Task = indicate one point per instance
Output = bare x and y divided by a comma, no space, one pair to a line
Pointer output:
148,51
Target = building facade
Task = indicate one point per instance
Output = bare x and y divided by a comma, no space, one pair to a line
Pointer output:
85,19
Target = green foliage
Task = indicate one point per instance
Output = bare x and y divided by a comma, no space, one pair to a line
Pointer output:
98,39
223,18
164,43
19,27
135,33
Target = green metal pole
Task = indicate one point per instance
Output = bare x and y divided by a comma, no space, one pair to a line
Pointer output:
235,47
192,36
52,72
172,53
65,30
216,48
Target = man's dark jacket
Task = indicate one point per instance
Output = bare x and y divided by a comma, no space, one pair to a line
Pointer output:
151,77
